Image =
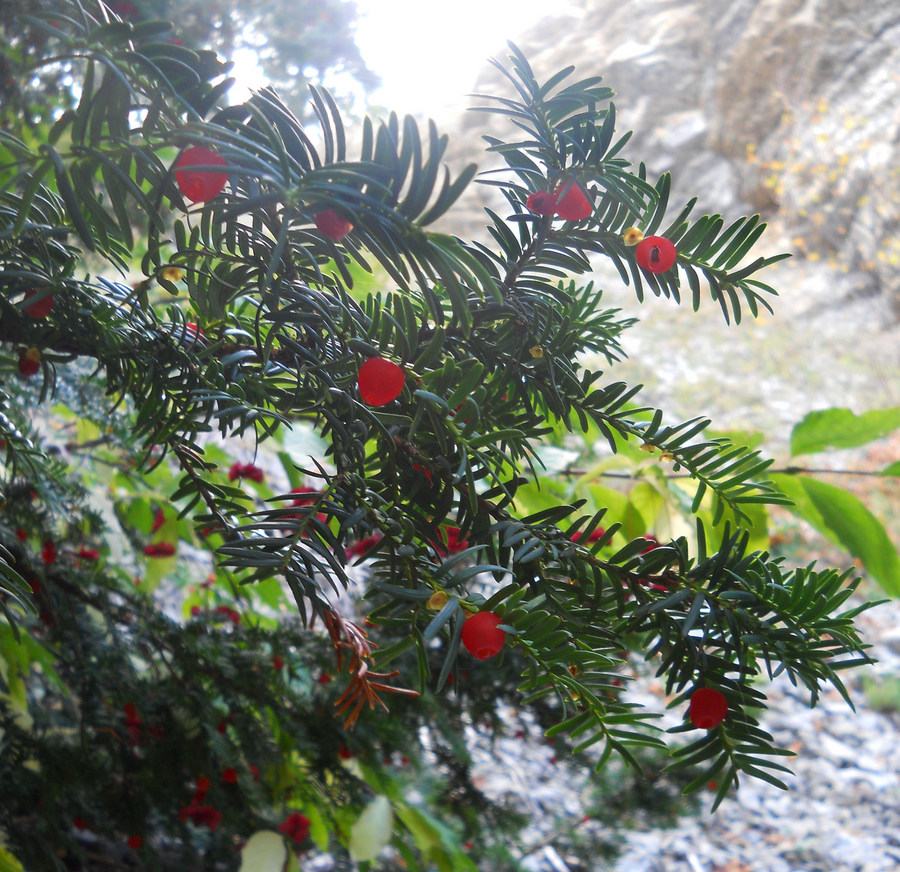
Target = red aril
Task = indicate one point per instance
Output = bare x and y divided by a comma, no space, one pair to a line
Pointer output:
482,636
708,708
656,254
40,308
29,362
574,205
200,185
542,202
380,381
332,226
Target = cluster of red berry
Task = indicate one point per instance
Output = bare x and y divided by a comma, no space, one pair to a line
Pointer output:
381,381
199,812
245,470
160,549
570,203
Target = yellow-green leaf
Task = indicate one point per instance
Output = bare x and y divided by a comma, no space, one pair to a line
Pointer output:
265,851
372,830
841,428
842,518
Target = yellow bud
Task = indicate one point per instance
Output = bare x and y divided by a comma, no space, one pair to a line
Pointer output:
33,355
437,601
667,456
646,446
172,274
632,236
536,352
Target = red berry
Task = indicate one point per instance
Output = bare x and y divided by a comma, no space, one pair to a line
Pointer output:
359,548
229,775
332,226
277,663
574,205
80,823
380,381
135,842
707,708
193,333
160,549
656,254
453,543
245,470
230,613
295,826
29,362
651,543
42,307
596,533
88,553
481,636
200,185
21,535
201,815
542,202
48,552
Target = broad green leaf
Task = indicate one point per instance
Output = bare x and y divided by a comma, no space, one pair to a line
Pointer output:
436,841
859,531
372,830
8,863
157,568
841,428
803,506
301,441
606,498
645,505
535,497
265,851
318,830
843,519
423,831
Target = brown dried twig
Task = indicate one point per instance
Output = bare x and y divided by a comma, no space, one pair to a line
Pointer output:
364,685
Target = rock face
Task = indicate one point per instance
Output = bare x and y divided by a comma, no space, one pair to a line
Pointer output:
786,107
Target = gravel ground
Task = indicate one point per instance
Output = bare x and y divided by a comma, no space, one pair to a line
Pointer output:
842,811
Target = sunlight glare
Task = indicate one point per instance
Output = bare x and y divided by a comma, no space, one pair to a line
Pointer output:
429,53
